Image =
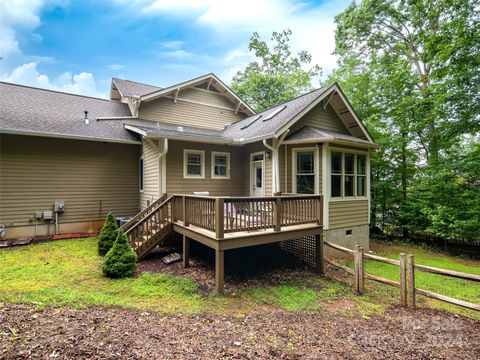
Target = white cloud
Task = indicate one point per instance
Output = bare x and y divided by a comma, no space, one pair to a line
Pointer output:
174,44
312,25
116,67
17,16
83,83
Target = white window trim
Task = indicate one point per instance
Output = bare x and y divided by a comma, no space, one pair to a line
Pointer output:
202,164
141,174
316,170
227,154
367,175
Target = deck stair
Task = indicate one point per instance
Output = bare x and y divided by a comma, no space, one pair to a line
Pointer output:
151,227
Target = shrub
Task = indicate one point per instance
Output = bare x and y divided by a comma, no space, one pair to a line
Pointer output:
120,260
107,236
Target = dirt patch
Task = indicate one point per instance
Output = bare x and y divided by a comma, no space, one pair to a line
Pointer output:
119,334
244,268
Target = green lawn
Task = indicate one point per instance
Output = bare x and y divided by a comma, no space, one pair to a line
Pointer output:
457,288
68,273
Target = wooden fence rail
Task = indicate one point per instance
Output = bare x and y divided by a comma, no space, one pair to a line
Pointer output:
407,268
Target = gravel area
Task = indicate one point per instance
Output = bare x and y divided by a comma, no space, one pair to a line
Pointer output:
114,333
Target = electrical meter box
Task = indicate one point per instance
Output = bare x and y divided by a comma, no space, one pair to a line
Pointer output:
47,215
58,206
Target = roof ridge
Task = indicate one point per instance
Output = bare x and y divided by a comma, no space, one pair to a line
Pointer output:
57,91
136,82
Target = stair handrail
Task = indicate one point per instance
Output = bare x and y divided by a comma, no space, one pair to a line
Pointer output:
125,227
153,210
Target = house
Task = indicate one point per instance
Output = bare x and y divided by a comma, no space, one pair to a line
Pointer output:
299,169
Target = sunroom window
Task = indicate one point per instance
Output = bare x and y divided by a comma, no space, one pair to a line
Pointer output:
348,174
194,164
220,165
305,172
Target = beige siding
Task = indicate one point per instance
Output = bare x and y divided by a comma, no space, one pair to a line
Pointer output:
348,213
192,114
324,119
247,150
91,177
217,187
288,171
151,184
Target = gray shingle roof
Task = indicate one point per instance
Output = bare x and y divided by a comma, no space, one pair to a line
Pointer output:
257,126
25,109
133,88
310,133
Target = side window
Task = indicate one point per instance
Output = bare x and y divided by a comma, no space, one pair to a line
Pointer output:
337,176
141,172
348,174
193,164
220,165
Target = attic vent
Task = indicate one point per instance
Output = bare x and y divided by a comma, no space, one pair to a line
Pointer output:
251,122
180,128
85,117
275,113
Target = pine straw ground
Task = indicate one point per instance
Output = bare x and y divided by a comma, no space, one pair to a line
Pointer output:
99,333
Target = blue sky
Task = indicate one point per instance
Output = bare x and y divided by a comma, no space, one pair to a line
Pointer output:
79,45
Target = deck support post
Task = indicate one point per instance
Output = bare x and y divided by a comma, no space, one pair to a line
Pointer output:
411,281
184,211
319,255
186,252
219,270
403,280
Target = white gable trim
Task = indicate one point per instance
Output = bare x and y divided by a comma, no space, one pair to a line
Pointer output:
211,77
333,88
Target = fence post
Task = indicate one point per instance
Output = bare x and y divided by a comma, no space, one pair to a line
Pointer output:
403,280
219,218
411,281
184,211
319,254
277,214
358,269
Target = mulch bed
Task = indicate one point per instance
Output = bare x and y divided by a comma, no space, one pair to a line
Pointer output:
257,266
116,333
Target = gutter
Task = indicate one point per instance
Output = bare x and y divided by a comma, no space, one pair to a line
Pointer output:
65,136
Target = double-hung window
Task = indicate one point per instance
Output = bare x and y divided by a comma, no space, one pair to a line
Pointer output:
304,168
220,165
141,173
194,164
348,175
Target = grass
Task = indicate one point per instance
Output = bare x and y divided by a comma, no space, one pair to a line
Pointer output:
456,288
68,273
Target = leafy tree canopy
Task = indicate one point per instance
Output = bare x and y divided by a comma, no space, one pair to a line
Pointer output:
276,76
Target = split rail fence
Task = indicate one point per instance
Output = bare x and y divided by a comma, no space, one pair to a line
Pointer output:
407,269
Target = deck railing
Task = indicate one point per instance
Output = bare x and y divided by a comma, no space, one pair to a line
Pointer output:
234,214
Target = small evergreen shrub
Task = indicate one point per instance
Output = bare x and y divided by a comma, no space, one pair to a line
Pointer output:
107,236
120,260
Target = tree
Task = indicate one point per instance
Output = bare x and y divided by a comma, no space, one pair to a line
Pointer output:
107,235
276,76
412,71
120,260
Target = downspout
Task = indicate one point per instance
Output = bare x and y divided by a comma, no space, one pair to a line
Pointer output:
161,156
275,160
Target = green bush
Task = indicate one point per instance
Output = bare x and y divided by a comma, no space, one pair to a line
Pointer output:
120,260
107,236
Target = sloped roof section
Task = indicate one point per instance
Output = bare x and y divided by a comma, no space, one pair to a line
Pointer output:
310,134
28,110
133,88
272,119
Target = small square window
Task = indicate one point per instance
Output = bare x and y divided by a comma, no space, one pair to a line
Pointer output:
348,232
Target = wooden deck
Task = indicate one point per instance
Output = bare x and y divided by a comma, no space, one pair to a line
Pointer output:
225,223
